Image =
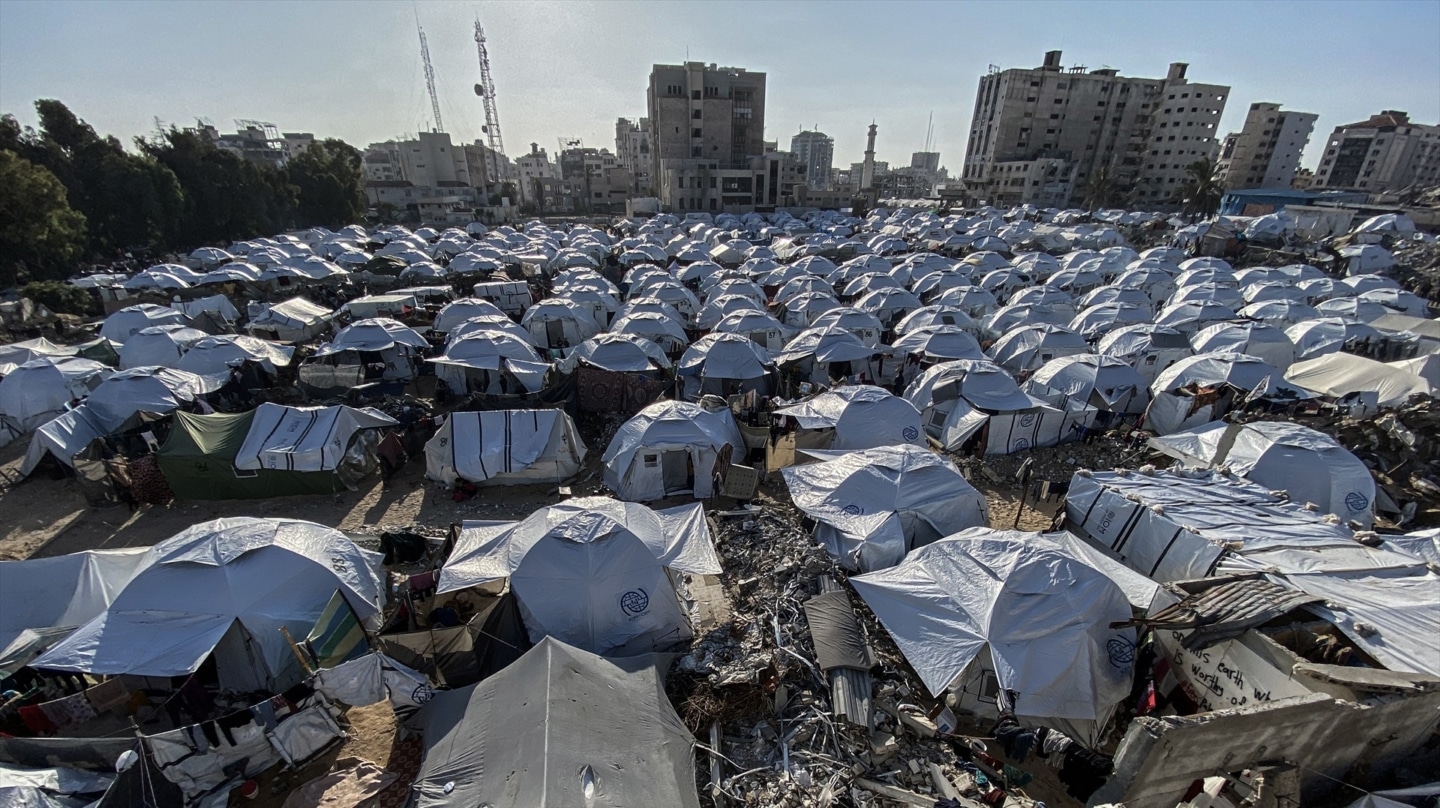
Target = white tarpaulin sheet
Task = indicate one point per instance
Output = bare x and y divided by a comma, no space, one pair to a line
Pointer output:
147,389
1340,374
1176,526
633,467
41,389
1392,614
1310,466
65,590
875,505
304,438
1042,616
506,447
191,589
592,571
63,437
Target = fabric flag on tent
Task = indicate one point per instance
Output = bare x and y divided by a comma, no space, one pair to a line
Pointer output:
338,636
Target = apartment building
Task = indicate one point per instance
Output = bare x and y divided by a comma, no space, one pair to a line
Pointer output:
632,148
705,120
531,168
1039,135
1385,153
816,152
1265,153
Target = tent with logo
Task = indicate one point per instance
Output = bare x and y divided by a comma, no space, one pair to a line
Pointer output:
610,737
670,448
293,320
873,506
505,447
592,572
1310,466
224,587
858,416
336,440
984,609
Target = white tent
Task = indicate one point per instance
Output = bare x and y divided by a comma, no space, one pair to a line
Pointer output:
873,506
458,311
1027,347
559,323
1326,335
716,363
1260,340
305,438
505,447
293,320
1103,382
938,342
63,591
1340,374
1148,348
660,329
670,448
592,572
145,389
121,325
491,361
18,353
983,603
41,389
1174,404
218,354
861,416
1310,466
620,353
158,346
224,587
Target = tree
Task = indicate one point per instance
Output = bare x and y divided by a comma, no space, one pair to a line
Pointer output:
226,196
1202,190
329,179
40,234
61,297
510,192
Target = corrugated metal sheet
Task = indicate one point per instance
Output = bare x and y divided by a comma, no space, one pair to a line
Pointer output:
1227,610
849,689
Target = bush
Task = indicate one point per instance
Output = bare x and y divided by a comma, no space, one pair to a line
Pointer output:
59,297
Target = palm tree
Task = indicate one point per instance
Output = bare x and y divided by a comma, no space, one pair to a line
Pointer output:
1097,191
1202,189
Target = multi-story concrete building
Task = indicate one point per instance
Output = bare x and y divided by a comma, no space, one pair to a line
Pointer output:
816,152
1265,153
925,161
1039,135
602,183
632,148
1385,153
532,167
704,120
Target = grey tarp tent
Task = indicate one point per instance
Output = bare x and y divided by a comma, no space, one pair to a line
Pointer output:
561,728
505,447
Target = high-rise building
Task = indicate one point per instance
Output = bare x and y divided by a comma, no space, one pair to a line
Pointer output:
1385,153
925,160
816,152
632,148
1265,153
707,127
1042,135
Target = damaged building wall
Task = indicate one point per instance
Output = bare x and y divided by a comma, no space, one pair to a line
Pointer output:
1159,758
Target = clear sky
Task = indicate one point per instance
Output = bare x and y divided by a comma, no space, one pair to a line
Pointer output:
352,69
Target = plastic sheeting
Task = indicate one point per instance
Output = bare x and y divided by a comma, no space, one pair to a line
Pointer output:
304,438
1340,374
591,571
874,506
68,590
41,389
609,737
1041,616
1391,614
191,589
505,447
633,468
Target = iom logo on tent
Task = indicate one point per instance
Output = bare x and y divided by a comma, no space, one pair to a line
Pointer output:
853,510
1121,651
1027,420
910,433
1356,501
634,603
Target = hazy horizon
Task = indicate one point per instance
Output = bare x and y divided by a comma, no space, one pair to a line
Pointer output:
352,69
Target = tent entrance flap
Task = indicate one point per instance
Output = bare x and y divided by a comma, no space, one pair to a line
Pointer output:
677,472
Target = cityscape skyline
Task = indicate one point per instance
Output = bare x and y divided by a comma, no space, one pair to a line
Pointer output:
545,56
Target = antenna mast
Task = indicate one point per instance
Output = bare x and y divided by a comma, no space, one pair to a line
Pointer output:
430,77
486,90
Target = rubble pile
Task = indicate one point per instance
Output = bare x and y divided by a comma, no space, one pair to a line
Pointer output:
1056,464
1417,268
752,687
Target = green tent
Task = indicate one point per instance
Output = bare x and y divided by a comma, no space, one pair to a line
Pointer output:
198,459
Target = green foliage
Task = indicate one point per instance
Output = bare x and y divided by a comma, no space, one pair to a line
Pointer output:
60,297
1202,189
40,234
227,197
330,181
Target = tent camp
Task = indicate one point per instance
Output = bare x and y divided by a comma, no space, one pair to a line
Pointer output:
671,448
873,506
41,389
1198,389
984,610
225,588
336,440
1310,466
610,738
224,352
158,345
1147,348
505,447
858,416
593,572
958,400
294,320
1103,382
716,364
124,323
